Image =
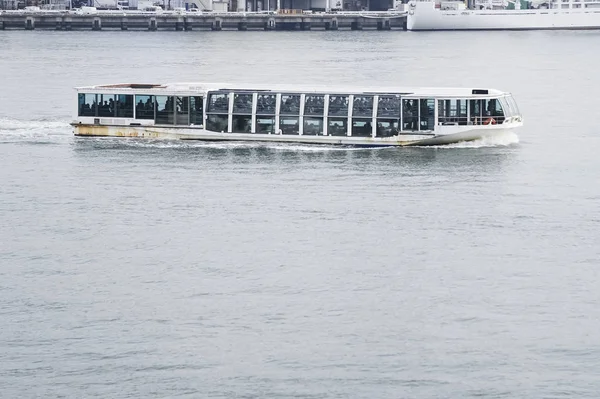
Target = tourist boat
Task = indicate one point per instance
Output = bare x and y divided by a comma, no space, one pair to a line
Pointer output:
223,112
508,15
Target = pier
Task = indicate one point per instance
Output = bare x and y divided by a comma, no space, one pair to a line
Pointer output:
242,21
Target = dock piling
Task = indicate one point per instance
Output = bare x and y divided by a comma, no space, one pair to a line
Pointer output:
270,24
331,24
97,24
216,24
29,23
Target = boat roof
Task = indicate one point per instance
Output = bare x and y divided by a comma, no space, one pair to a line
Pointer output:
195,88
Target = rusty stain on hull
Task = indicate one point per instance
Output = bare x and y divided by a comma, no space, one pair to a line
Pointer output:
202,135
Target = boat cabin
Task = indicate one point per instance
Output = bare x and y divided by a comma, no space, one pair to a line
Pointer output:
289,111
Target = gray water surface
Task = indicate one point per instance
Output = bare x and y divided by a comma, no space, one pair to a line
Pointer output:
132,268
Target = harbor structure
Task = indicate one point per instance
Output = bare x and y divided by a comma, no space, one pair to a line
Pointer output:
242,21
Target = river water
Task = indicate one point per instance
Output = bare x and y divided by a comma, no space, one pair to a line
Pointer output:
133,268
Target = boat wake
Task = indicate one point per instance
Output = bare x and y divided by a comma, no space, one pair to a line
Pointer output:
43,130
505,140
57,130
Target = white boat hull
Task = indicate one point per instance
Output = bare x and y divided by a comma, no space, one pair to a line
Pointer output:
423,16
160,132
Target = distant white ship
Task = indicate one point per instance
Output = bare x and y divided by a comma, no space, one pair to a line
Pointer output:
498,15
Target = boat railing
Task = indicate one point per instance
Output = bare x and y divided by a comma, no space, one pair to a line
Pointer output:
472,120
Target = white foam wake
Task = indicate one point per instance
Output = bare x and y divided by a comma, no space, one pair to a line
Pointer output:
15,130
503,140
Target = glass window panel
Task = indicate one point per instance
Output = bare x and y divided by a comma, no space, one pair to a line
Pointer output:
242,103
242,124
289,125
182,108
290,104
314,104
106,105
312,126
337,126
217,122
427,114
410,114
265,124
387,127
452,112
196,111
218,102
338,105
165,110
265,104
144,108
476,111
362,106
362,127
87,104
389,106
124,105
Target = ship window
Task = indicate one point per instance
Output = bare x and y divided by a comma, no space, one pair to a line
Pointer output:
182,108
387,127
144,108
338,105
217,123
493,109
196,111
513,104
475,110
452,112
313,126
361,127
410,114
289,125
362,106
218,102
87,104
337,126
427,114
265,124
389,106
242,103
290,104
106,105
242,124
314,104
265,104
165,110
125,106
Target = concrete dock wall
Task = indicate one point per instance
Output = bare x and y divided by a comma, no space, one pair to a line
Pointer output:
206,21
